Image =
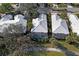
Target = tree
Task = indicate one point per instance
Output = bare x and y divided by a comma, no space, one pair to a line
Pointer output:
29,10
5,7
63,14
61,5
71,38
75,4
49,25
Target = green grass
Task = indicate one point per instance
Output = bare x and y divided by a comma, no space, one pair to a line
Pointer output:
69,47
44,53
55,54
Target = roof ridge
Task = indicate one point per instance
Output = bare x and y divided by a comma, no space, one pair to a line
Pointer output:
38,25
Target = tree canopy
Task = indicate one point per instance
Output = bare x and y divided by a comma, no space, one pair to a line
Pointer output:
5,7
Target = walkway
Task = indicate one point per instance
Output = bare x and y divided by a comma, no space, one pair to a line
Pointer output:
43,49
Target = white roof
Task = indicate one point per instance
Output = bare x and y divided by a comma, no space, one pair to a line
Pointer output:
6,17
59,25
18,19
40,24
35,22
74,23
19,16
69,6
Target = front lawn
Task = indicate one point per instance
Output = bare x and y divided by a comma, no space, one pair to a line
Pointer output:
69,47
44,53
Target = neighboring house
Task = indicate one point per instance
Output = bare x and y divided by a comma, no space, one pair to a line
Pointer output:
59,26
74,20
6,17
9,26
70,8
40,30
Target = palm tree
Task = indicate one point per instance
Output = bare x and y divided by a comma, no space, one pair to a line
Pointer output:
72,38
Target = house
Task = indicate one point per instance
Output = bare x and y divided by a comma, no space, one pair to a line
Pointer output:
9,26
71,8
59,26
6,17
74,20
40,30
20,20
